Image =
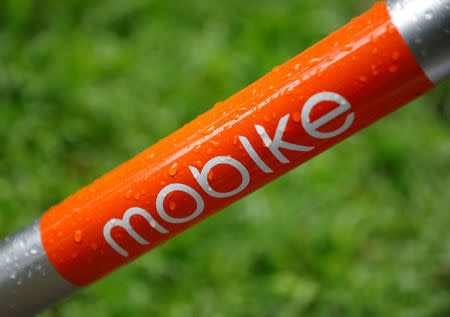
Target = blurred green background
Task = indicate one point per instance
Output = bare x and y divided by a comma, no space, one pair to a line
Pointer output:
362,230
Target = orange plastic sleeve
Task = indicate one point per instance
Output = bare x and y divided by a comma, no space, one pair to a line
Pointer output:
355,76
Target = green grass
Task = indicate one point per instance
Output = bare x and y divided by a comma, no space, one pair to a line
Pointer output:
361,230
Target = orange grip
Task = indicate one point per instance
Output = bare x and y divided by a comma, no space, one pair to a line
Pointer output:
352,78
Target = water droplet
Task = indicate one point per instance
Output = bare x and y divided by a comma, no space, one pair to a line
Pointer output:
128,194
197,149
266,118
375,51
34,251
353,58
137,196
373,39
363,79
78,236
172,205
319,73
391,29
173,169
428,15
276,69
396,56
209,130
215,144
393,69
348,47
13,276
209,151
313,61
59,234
374,70
297,117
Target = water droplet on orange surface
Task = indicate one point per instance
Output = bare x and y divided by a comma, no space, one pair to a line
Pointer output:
137,196
313,61
172,205
146,177
373,39
197,149
319,73
266,118
393,69
198,164
173,169
128,194
210,175
78,236
363,79
297,117
391,29
215,144
375,51
347,47
396,56
289,91
276,69
209,151
209,130
374,70
353,58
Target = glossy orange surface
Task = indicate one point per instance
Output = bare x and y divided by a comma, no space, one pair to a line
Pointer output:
366,64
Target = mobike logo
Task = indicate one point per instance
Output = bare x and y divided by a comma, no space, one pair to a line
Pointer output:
274,145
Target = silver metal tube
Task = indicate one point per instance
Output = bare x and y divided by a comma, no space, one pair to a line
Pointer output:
28,281
425,27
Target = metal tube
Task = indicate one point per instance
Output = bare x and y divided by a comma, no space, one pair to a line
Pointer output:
425,27
366,70
28,281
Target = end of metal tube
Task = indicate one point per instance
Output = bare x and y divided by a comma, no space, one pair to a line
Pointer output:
28,281
425,27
